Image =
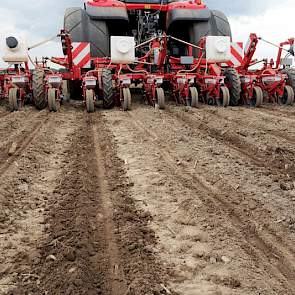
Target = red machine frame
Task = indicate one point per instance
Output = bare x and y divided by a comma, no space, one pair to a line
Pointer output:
267,80
16,84
186,80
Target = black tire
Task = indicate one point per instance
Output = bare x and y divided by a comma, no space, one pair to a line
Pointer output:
233,83
83,29
107,88
291,77
39,89
220,24
75,88
217,25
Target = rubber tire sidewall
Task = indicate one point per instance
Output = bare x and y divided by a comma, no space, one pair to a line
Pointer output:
51,97
217,25
13,99
90,107
232,79
39,93
84,29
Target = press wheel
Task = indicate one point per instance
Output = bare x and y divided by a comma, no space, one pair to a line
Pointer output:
13,97
90,101
126,99
160,96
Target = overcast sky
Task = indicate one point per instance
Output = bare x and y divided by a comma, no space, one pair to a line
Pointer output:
40,19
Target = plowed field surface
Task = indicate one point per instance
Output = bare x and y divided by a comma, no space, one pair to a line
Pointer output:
148,202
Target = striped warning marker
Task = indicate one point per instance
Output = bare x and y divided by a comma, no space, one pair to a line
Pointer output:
81,54
237,55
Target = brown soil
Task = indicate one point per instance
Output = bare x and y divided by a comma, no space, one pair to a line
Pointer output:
181,201
75,229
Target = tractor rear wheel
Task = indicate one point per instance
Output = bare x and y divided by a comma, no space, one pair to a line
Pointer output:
39,89
217,25
84,29
194,97
13,97
224,97
257,98
107,87
126,99
90,101
288,96
160,98
51,97
233,82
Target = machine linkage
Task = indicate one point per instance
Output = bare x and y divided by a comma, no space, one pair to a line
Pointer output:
188,79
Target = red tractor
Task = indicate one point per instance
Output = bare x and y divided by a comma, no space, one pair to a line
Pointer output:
165,33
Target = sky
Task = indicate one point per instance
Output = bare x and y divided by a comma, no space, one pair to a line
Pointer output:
42,19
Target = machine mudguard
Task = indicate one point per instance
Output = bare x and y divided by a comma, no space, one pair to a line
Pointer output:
107,13
177,14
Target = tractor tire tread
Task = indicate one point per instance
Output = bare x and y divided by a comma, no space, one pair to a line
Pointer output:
291,77
107,85
38,89
233,78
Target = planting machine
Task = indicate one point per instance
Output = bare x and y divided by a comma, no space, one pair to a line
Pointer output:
157,46
112,47
47,88
19,84
16,83
270,83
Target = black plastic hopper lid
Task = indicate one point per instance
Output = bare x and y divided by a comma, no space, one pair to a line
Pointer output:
11,42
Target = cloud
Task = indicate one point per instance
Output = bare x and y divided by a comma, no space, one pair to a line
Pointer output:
243,7
267,25
35,19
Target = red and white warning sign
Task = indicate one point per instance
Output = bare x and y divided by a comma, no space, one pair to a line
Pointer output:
237,54
81,54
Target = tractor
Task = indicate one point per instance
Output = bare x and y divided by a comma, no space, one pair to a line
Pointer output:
166,35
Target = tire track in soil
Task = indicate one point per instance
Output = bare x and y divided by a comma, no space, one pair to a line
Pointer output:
117,280
238,146
270,164
143,272
239,122
76,233
262,247
23,194
286,111
16,128
96,239
3,115
22,145
272,114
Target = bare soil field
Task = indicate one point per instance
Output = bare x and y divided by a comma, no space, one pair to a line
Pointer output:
149,202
